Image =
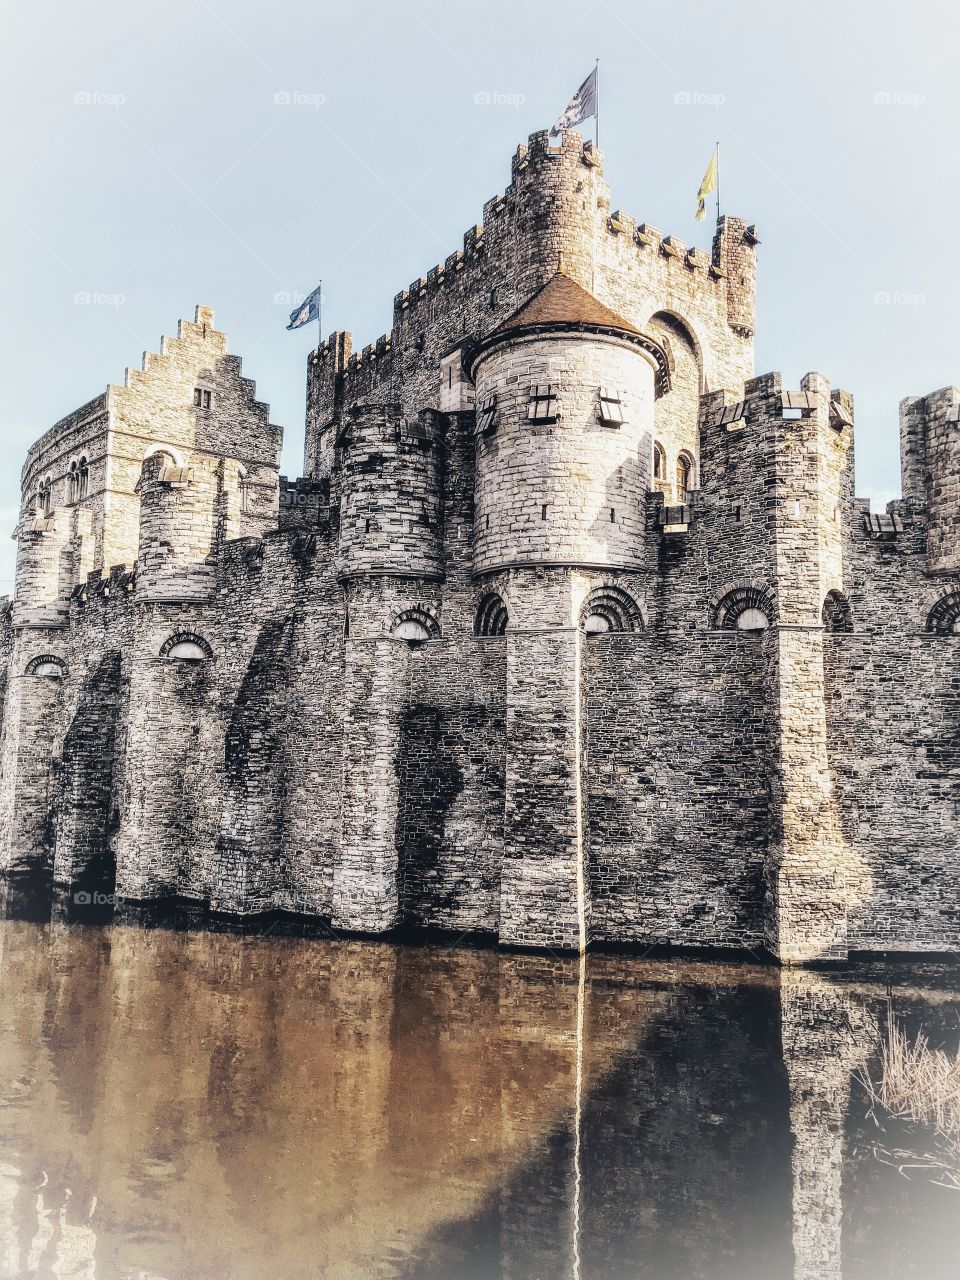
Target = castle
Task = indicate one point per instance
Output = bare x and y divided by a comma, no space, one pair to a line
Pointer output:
573,631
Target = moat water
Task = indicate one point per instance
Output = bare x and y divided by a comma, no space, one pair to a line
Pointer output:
185,1105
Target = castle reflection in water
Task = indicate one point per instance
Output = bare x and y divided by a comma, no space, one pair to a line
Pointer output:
185,1104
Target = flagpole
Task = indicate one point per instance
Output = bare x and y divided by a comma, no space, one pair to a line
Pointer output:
718,181
320,316
596,118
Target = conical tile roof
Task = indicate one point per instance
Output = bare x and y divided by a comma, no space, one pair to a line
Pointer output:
563,301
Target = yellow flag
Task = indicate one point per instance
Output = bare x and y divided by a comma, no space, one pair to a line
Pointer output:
708,184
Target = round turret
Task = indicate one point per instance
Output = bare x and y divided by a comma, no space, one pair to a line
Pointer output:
39,594
176,529
565,396
390,499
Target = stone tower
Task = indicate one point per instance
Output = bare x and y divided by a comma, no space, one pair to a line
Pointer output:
565,391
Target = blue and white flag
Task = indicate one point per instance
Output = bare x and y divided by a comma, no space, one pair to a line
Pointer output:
582,105
308,310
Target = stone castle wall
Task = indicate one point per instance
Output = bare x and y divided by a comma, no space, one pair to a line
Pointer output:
487,675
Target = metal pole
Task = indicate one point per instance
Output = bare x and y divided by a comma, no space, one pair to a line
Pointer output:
718,181
596,118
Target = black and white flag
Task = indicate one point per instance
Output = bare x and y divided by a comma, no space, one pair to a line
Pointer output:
582,105
309,309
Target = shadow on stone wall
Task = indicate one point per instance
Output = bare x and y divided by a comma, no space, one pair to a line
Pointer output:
250,859
84,860
429,779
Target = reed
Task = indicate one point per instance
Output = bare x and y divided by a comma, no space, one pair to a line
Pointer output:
920,1087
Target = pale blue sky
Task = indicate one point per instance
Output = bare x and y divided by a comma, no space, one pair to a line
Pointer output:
145,159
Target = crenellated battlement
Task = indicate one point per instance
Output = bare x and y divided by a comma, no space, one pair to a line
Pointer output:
534,161
115,588
372,353
766,398
555,215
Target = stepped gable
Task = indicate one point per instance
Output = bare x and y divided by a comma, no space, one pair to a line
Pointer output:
563,301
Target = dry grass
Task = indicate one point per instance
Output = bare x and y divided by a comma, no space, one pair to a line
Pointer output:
920,1087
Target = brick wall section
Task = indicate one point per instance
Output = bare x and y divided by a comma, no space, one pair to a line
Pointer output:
678,748
365,881
678,781
895,760
543,898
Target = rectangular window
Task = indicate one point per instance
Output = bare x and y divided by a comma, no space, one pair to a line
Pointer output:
543,404
201,398
611,407
487,417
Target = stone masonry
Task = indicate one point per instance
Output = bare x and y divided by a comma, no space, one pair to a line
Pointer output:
572,632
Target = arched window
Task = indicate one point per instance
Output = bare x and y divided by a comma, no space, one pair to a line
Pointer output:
411,629
415,626
836,612
45,496
752,620
744,609
659,461
47,667
244,482
610,609
492,617
83,478
944,617
684,476
72,484
186,646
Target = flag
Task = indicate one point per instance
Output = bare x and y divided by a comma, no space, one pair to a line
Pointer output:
708,184
308,310
581,105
